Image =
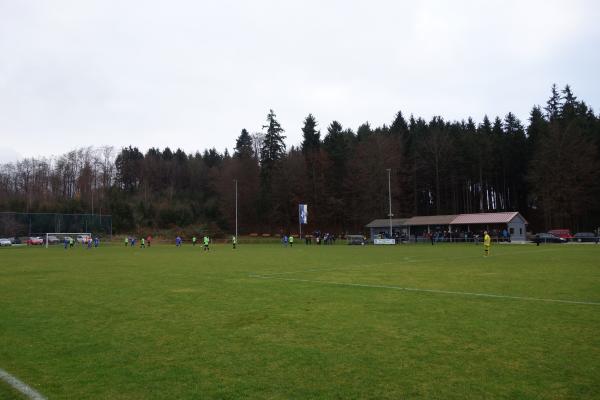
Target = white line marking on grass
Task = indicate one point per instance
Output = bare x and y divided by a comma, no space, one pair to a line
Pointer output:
20,386
407,289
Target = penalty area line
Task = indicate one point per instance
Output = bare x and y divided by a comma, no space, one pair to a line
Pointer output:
21,387
436,291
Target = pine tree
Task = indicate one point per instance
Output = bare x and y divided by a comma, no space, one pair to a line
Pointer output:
470,126
564,193
212,158
243,146
399,126
363,131
337,147
537,129
485,128
553,105
311,136
569,107
271,153
273,146
497,127
512,125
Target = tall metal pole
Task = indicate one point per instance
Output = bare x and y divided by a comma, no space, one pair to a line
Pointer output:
389,170
236,210
299,226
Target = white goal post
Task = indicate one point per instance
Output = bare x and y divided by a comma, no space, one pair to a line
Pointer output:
59,237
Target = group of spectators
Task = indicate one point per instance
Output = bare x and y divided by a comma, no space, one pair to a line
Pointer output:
440,235
463,236
320,238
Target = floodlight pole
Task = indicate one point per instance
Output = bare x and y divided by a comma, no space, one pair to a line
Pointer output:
236,209
389,170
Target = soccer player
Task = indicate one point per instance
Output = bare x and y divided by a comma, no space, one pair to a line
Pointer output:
126,241
291,240
142,243
178,241
71,242
194,241
66,242
234,241
487,242
206,242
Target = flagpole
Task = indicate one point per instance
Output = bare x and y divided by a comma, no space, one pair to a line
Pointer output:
236,210
299,222
389,170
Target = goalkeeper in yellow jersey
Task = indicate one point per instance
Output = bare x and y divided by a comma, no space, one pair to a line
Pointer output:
487,242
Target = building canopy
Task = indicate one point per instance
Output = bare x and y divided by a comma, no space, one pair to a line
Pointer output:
380,223
460,219
431,220
487,218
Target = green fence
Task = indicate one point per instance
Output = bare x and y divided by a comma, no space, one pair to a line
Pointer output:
32,224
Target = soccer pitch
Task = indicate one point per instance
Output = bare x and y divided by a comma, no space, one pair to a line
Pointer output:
264,321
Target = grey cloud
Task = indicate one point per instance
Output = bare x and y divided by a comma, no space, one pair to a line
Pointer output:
193,74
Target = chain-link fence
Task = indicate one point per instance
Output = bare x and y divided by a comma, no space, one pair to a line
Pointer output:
14,224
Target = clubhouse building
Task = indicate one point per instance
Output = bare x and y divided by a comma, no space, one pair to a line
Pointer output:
453,226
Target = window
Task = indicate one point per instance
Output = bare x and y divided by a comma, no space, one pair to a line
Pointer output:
512,231
520,231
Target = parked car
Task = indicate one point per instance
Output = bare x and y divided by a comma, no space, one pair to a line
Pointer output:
5,242
356,240
562,233
584,237
15,240
549,238
34,241
53,240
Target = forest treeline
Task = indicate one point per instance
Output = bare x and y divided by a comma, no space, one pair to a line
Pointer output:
547,169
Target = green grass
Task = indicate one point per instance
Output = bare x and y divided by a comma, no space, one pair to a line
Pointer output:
158,323
7,392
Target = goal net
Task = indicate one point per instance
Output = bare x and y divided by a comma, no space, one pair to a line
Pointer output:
52,238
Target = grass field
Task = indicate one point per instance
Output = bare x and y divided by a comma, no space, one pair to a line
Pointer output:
330,322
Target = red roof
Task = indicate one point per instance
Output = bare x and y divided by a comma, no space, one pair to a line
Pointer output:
486,218
430,220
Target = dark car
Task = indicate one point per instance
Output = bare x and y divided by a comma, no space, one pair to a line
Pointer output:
584,237
356,240
549,238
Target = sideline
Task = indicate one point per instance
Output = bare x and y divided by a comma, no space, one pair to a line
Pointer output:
20,386
408,289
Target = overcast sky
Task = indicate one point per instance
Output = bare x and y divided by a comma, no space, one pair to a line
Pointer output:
192,74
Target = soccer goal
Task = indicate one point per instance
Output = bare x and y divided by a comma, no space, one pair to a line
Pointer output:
59,237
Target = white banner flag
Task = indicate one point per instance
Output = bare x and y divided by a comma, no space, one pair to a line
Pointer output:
303,213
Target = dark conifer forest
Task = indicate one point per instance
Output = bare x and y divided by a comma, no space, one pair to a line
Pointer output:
547,168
